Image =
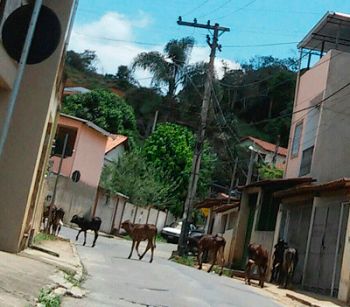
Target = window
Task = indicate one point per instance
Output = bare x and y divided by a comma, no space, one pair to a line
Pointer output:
59,141
231,221
305,166
268,213
296,139
223,223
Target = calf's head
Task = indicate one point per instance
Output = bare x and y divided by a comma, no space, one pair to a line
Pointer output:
75,219
126,225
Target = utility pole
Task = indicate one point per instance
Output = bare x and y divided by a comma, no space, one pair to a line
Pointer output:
196,161
251,166
274,158
232,180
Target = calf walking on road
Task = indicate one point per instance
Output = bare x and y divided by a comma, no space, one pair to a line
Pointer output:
211,243
141,232
84,225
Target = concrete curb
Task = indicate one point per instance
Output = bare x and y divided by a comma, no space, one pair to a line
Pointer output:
79,274
300,300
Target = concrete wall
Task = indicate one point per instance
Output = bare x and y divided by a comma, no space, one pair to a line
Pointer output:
74,198
115,154
312,84
20,161
333,143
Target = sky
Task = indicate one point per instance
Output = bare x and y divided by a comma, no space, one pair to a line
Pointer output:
119,30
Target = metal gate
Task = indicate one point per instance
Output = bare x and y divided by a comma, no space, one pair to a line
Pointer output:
322,272
295,232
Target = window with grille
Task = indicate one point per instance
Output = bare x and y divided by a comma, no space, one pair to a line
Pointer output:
306,160
296,139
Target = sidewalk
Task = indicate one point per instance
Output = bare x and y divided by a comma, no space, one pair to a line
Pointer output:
295,298
23,275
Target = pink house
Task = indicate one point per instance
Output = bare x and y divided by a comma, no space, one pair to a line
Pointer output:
82,165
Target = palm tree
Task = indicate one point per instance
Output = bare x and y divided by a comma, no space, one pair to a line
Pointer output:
167,68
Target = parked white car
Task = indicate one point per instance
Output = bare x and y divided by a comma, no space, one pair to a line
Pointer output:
172,232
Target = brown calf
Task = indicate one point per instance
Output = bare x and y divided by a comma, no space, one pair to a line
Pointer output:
257,256
211,243
141,232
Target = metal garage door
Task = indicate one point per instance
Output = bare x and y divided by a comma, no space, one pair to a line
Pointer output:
326,249
297,223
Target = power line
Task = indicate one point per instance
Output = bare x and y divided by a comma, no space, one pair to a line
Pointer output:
261,45
215,10
239,9
196,8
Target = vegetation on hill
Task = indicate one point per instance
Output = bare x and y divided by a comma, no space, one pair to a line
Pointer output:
254,100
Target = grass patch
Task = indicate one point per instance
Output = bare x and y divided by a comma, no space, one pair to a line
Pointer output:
226,272
71,279
159,238
185,260
41,236
48,299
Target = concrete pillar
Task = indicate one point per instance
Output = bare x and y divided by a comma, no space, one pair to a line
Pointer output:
20,160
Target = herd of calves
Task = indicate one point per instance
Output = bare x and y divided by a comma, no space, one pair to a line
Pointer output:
285,258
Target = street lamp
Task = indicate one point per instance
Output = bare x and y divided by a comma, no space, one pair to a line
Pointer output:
252,159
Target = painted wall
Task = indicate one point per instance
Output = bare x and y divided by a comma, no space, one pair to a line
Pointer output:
115,154
88,155
74,198
331,157
26,134
311,86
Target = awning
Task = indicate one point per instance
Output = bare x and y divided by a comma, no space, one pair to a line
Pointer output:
278,183
331,32
215,202
339,184
225,208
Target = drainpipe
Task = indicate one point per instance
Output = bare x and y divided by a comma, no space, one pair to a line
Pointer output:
308,243
19,77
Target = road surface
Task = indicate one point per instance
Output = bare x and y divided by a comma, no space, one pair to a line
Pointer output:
114,280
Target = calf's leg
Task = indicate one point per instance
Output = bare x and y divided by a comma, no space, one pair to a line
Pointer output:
147,248
222,252
132,248
214,260
95,238
152,251
199,258
137,248
84,238
77,237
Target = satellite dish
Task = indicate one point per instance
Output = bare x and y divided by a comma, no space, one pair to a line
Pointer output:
46,36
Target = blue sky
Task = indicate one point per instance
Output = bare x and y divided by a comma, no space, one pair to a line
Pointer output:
118,30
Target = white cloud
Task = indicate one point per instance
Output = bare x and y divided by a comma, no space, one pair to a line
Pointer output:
111,37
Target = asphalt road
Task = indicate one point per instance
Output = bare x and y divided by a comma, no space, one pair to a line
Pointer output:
114,280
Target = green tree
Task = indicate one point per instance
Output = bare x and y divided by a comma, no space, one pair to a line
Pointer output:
145,101
267,171
84,61
170,149
123,79
167,68
104,109
133,176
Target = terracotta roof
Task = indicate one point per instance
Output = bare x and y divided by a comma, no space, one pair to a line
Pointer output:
266,145
114,140
279,182
338,184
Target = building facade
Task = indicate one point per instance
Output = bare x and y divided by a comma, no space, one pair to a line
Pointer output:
24,159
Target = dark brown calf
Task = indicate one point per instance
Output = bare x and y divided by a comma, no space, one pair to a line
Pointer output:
209,243
257,256
290,261
141,232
